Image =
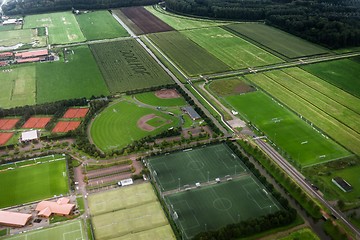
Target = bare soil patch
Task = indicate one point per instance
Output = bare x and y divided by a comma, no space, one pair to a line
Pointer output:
142,122
167,93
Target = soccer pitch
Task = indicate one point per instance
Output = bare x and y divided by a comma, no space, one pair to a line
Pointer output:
68,231
188,167
33,181
212,207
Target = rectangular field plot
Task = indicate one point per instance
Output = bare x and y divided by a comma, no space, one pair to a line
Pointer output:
36,122
212,207
100,25
145,21
330,116
66,126
67,231
281,42
131,212
189,56
179,169
342,73
33,181
126,66
18,86
76,113
26,37
77,77
230,49
291,134
8,123
5,137
62,26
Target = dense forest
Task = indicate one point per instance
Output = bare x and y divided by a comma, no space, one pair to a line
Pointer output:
331,23
15,7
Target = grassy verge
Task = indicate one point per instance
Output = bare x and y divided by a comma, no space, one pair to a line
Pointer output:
3,232
333,231
101,166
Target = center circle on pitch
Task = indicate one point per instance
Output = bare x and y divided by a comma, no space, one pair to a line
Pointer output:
195,165
222,204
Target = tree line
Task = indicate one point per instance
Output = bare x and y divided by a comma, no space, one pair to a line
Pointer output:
331,23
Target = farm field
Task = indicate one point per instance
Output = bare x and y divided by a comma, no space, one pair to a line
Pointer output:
77,78
100,25
321,116
65,231
230,86
150,98
230,49
144,21
304,233
342,73
26,37
291,134
123,122
33,182
62,26
189,56
126,66
279,41
179,22
212,207
197,165
137,216
18,86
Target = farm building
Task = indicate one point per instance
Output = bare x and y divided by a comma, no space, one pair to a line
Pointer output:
342,184
32,54
29,135
14,219
61,207
191,112
3,63
6,55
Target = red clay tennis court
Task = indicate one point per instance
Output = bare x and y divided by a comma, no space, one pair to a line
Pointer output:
8,123
36,122
76,113
63,127
4,137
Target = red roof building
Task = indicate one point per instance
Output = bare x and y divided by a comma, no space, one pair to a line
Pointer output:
61,207
32,54
14,219
6,55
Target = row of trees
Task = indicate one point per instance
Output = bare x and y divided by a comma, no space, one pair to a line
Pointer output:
14,7
332,23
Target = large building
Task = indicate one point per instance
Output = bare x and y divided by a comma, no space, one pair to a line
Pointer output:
61,207
14,219
29,135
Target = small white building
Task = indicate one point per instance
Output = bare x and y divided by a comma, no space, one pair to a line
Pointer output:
29,135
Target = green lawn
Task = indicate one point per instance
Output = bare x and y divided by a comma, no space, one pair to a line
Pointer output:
66,231
77,78
7,27
321,118
116,126
190,57
232,86
289,132
35,182
281,42
151,99
341,73
100,25
18,85
304,233
230,49
23,36
126,66
179,22
63,27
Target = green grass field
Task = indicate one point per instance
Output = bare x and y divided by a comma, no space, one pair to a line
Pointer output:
281,42
341,73
126,66
121,198
198,165
7,27
33,182
286,130
26,37
190,57
215,206
131,212
304,233
18,85
77,78
63,27
232,86
100,25
320,111
70,230
179,22
116,126
151,99
230,49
